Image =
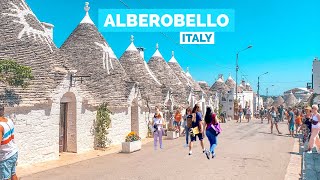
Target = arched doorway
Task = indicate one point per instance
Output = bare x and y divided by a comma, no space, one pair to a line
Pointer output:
135,116
68,125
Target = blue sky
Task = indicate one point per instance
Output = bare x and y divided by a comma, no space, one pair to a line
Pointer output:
284,34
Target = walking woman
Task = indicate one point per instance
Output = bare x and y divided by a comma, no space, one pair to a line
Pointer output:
211,121
177,120
197,128
307,124
187,124
248,114
314,139
240,112
275,120
158,128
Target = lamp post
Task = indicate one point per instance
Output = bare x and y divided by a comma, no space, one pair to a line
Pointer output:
237,69
267,90
259,88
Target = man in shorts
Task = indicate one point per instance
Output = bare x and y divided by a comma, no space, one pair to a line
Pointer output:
8,148
291,121
197,123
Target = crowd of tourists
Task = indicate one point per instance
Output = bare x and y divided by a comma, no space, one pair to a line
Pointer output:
299,120
195,126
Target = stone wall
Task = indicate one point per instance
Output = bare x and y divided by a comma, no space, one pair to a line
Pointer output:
37,129
120,126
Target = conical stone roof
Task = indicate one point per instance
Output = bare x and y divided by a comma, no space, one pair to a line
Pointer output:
194,84
175,66
230,82
138,70
90,54
291,100
166,76
219,86
280,100
24,40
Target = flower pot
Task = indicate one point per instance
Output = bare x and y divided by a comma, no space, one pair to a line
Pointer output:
128,147
172,134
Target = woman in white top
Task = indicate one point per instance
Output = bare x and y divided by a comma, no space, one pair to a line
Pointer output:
314,139
158,128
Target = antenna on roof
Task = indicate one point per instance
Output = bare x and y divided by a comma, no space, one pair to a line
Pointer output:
157,46
172,53
187,69
132,38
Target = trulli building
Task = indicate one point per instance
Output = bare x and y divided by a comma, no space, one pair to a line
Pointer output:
39,108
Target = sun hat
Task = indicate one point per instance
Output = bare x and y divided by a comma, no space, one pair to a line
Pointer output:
307,108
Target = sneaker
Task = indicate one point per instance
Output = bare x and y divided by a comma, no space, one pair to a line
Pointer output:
213,155
204,151
309,152
190,153
208,154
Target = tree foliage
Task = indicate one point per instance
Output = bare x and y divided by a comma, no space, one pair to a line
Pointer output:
14,74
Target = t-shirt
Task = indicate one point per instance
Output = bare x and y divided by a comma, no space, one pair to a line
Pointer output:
299,120
291,114
198,119
158,122
177,117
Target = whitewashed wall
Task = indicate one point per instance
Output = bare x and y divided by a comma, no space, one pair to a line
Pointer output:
37,132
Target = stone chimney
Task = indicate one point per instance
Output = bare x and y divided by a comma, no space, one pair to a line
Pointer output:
141,51
48,28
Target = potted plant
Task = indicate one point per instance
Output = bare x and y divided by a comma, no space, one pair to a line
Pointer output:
132,143
173,133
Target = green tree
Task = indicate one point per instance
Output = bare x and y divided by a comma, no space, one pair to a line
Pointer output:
14,74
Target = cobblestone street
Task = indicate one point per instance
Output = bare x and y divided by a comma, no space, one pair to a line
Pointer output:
245,151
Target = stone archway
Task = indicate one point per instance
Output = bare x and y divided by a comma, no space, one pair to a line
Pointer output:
68,124
135,116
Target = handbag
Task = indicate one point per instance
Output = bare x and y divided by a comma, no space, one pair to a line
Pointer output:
315,122
195,130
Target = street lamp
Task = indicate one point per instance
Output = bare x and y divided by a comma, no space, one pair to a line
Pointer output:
237,69
267,90
259,87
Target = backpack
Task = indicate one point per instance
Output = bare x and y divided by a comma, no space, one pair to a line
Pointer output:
189,122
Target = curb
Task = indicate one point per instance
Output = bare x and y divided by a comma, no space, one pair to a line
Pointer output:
294,166
69,158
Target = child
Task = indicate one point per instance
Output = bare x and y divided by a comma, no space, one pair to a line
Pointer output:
298,121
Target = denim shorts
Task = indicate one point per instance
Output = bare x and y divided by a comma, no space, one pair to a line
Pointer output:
291,126
175,123
8,167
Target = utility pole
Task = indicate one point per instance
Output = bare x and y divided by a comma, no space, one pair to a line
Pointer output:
259,88
267,92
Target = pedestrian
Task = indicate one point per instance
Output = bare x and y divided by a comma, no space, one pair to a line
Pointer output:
212,134
187,124
315,129
275,120
291,121
8,148
177,120
281,112
298,121
197,128
269,117
248,113
307,124
262,114
240,112
158,132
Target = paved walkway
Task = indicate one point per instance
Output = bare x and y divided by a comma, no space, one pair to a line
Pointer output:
245,151
311,165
